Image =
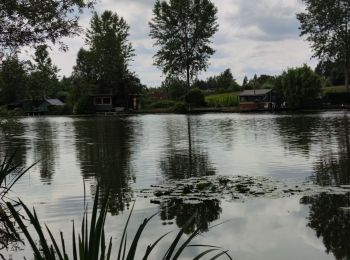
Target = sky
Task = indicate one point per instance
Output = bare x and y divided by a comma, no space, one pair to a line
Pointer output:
254,37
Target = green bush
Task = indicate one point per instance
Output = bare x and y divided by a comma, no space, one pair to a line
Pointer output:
180,108
195,97
300,87
162,104
84,105
222,100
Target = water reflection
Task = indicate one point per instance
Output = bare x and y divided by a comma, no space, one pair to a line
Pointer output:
45,149
297,132
13,144
331,221
187,159
203,213
333,166
103,150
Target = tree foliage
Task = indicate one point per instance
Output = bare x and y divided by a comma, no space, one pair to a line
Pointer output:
176,88
326,24
259,82
331,71
110,50
224,81
195,97
43,81
33,22
13,80
104,66
300,87
182,30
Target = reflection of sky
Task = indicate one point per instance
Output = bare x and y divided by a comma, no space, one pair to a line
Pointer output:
236,144
245,144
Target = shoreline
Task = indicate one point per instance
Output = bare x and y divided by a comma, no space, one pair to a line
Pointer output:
227,110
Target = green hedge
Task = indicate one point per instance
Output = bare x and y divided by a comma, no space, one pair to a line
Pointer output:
337,98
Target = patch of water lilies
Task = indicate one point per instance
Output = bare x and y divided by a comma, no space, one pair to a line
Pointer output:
231,188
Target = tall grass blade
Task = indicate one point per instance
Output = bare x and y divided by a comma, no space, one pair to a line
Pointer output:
75,255
171,249
124,232
204,253
109,249
93,221
151,247
58,251
220,254
136,239
184,245
24,230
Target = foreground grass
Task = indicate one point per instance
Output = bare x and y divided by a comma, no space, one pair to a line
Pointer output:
222,100
91,243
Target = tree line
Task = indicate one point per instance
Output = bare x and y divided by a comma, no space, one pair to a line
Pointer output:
182,31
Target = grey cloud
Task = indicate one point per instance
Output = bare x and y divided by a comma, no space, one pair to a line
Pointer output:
273,21
255,37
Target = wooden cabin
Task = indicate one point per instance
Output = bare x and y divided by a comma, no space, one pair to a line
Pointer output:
258,99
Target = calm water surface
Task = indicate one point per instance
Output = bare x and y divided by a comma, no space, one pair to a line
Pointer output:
130,153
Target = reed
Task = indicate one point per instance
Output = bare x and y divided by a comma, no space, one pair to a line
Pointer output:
91,243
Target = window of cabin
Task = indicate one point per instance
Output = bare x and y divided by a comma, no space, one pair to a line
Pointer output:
98,101
107,101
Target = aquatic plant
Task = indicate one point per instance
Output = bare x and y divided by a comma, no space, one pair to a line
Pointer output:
91,243
10,173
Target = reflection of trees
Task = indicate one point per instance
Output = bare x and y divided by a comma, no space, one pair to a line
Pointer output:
298,131
333,168
185,161
14,143
45,149
204,213
331,222
103,148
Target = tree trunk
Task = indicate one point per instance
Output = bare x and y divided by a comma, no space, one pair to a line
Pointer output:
188,78
347,78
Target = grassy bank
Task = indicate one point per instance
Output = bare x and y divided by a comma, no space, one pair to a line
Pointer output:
334,89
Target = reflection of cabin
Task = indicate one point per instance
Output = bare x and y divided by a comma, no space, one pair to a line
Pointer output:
258,99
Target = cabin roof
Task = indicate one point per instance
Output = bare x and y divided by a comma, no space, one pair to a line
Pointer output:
257,92
54,102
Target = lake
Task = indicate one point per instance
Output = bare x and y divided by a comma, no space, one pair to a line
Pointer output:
134,152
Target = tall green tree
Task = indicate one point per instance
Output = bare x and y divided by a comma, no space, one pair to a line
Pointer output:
326,24
104,65
43,81
331,71
27,22
109,51
13,79
224,80
299,87
245,82
182,30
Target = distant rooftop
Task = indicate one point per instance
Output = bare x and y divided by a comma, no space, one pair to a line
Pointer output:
257,92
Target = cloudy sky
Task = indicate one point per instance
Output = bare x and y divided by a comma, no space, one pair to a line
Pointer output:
254,37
